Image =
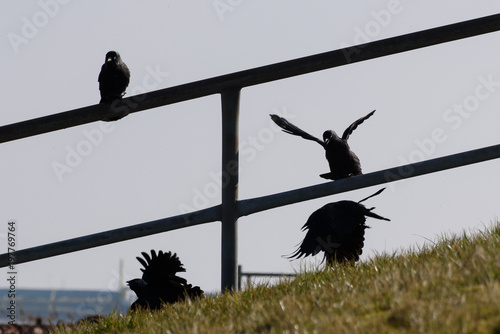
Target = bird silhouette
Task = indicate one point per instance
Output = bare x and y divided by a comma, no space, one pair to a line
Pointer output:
343,162
338,230
159,283
113,78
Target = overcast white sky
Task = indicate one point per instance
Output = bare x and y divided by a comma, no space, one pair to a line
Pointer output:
152,164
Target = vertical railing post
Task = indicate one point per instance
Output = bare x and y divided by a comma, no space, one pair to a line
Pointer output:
240,271
229,184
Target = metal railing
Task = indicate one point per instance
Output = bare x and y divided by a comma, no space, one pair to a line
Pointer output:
229,86
250,274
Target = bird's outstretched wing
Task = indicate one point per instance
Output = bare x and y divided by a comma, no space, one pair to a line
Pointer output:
316,228
160,267
294,130
354,125
373,195
338,230
335,229
368,211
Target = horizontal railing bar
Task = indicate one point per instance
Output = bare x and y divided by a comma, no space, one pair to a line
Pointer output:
121,234
249,206
266,274
252,77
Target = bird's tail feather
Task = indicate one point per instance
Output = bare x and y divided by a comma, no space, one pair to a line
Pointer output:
374,215
378,192
164,261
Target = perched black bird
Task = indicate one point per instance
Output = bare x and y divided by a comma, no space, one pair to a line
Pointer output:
160,284
338,230
343,162
113,78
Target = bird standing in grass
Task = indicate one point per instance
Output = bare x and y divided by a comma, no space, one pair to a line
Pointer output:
159,283
113,78
338,230
343,162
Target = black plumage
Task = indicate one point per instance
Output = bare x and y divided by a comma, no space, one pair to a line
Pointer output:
160,284
338,230
113,78
343,162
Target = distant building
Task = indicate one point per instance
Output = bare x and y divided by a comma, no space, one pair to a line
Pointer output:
66,305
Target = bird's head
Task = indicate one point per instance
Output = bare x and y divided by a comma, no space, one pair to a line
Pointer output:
328,135
112,56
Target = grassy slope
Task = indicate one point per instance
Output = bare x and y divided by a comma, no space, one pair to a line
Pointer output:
452,287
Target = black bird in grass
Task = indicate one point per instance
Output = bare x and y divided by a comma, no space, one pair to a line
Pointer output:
113,78
338,230
343,162
160,284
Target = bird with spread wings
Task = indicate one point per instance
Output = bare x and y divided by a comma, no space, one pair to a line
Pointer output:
343,162
338,230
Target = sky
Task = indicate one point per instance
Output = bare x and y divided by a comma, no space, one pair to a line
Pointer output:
165,161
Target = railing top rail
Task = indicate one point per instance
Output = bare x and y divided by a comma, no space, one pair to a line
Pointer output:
252,77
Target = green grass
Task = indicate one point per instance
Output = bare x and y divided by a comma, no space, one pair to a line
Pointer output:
451,287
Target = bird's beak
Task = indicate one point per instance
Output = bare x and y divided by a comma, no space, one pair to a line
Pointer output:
109,59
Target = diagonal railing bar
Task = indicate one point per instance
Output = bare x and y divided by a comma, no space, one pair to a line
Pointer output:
249,206
252,77
113,236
